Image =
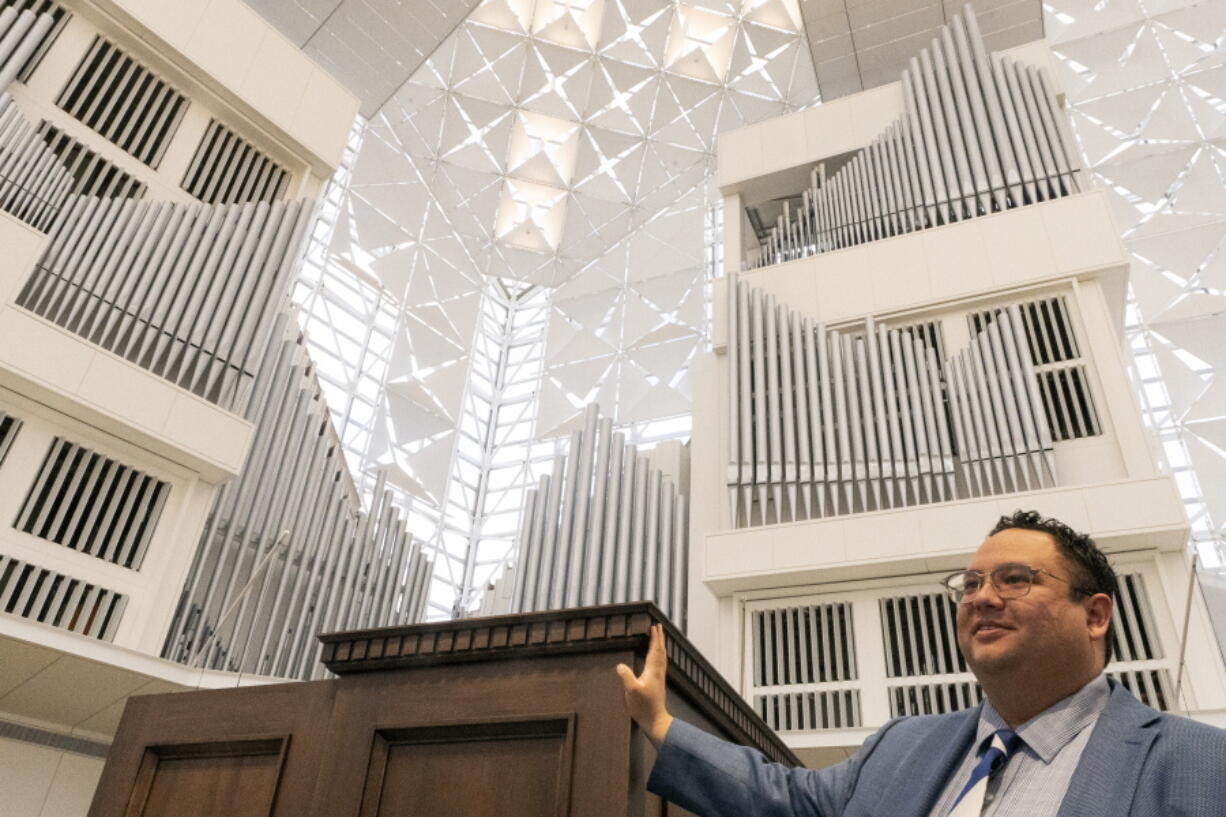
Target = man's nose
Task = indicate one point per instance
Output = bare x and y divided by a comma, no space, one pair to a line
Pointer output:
987,597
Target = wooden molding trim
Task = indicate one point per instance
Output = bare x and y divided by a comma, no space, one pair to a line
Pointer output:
581,629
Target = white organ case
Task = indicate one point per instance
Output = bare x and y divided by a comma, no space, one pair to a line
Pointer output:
946,360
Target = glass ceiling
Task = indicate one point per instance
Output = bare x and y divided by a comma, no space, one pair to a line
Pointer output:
563,149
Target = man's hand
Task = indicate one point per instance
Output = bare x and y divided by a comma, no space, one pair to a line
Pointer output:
645,694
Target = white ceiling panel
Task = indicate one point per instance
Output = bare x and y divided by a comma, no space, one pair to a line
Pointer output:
372,47
860,44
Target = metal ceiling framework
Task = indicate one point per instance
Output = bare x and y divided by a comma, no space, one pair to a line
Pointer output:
563,145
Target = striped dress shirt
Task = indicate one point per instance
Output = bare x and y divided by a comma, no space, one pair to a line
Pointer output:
1034,781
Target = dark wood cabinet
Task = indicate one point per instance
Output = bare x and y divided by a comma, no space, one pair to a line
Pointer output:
509,716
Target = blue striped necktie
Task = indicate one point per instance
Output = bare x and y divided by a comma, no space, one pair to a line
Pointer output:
970,801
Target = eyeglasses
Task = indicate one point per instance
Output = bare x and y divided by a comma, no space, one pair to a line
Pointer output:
1012,581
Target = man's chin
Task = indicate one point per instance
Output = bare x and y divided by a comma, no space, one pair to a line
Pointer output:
991,659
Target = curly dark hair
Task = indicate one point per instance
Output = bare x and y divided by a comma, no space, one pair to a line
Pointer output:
1094,573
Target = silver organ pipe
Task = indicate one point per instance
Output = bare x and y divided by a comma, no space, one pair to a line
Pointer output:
787,400
609,550
804,473
559,586
876,417
642,477
957,112
829,452
549,539
932,103
594,525
633,534
773,398
20,35
651,539
841,423
979,133
524,536
625,511
869,422
733,476
744,385
665,559
880,459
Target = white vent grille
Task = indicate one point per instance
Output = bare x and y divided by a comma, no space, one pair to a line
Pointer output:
48,597
803,645
1151,687
920,635
1061,371
226,169
1132,625
58,13
92,175
55,740
792,711
93,504
9,426
124,101
933,699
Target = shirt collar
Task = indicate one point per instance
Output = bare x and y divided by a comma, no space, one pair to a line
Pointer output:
1049,731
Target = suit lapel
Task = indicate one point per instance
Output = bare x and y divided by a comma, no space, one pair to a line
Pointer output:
1106,777
929,764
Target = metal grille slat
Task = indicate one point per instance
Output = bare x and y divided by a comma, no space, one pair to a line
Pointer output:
227,169
9,427
124,101
38,594
1151,687
91,503
92,175
1132,623
914,643
799,645
933,699
809,711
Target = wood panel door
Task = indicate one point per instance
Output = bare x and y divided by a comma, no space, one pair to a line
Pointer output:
542,737
238,778
253,752
484,768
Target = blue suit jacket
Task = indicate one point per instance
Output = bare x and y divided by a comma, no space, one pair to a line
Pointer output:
1138,762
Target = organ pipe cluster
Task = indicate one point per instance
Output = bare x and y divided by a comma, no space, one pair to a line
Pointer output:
979,134
255,597
33,184
604,527
196,293
825,422
186,291
1001,432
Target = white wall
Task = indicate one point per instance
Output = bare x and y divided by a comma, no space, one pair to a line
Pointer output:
38,781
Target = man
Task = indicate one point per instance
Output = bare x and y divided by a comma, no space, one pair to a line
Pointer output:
1054,736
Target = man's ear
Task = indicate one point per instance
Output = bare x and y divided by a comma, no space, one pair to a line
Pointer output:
1098,609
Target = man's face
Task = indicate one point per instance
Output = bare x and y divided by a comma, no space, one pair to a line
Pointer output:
1048,624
